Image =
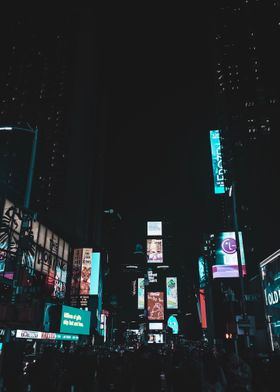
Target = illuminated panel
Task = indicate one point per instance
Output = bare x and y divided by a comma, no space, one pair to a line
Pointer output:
141,293
86,271
217,162
172,293
154,251
155,338
155,306
154,326
154,228
95,271
226,264
202,308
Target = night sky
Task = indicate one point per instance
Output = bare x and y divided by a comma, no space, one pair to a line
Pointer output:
159,106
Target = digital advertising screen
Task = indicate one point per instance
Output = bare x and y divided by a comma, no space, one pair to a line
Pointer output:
217,162
172,323
154,228
141,293
226,263
202,271
155,326
155,305
155,338
95,271
270,278
171,293
154,251
75,321
86,271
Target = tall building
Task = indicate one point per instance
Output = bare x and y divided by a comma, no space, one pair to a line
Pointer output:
244,35
49,80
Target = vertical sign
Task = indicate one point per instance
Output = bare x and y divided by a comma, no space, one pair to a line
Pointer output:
141,293
217,162
95,271
154,251
155,306
172,294
86,271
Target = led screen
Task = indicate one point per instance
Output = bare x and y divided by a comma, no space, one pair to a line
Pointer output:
154,228
86,271
95,270
141,293
171,293
155,338
153,326
154,251
270,277
217,162
202,303
226,264
202,271
155,306
75,321
172,323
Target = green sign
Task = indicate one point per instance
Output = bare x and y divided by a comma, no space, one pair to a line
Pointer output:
75,321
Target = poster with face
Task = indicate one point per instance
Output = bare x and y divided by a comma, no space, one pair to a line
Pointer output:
85,272
172,295
155,306
154,251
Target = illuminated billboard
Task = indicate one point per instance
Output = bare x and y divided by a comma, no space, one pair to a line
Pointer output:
86,271
155,338
141,293
172,323
217,162
171,293
155,326
155,306
75,321
154,251
226,263
202,271
154,228
270,278
95,272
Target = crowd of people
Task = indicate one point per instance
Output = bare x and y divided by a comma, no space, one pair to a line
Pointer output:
151,368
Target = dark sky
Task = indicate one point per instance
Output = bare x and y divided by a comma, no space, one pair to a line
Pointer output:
159,109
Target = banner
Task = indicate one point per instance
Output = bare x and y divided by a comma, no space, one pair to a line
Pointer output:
226,264
217,162
172,293
154,251
141,293
155,306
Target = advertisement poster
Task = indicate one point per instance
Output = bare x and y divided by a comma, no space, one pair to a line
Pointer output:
141,293
172,293
155,306
154,228
226,264
76,271
172,323
95,271
154,251
217,162
75,321
202,266
155,338
86,271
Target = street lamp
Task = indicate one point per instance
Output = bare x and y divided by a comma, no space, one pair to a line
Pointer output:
26,202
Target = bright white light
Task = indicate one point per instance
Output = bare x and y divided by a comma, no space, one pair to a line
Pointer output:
6,129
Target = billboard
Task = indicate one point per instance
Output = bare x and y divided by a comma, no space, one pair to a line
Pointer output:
202,271
202,303
141,293
154,250
48,255
171,293
154,228
226,263
172,323
155,338
155,306
155,326
270,278
95,271
75,321
86,271
217,162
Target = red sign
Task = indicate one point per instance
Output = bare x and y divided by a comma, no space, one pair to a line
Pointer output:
156,306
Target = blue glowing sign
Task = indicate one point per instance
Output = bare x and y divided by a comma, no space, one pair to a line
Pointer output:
95,271
173,323
217,162
75,321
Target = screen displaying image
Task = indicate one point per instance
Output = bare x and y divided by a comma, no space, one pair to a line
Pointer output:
156,306
141,293
226,263
153,326
171,292
155,338
154,228
154,251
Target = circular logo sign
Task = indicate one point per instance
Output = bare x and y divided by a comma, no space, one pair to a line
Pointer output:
229,245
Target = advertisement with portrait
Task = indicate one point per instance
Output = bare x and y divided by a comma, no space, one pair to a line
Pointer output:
154,250
141,293
86,271
226,263
155,305
172,293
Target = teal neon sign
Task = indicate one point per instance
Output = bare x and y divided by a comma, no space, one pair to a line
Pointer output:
217,162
